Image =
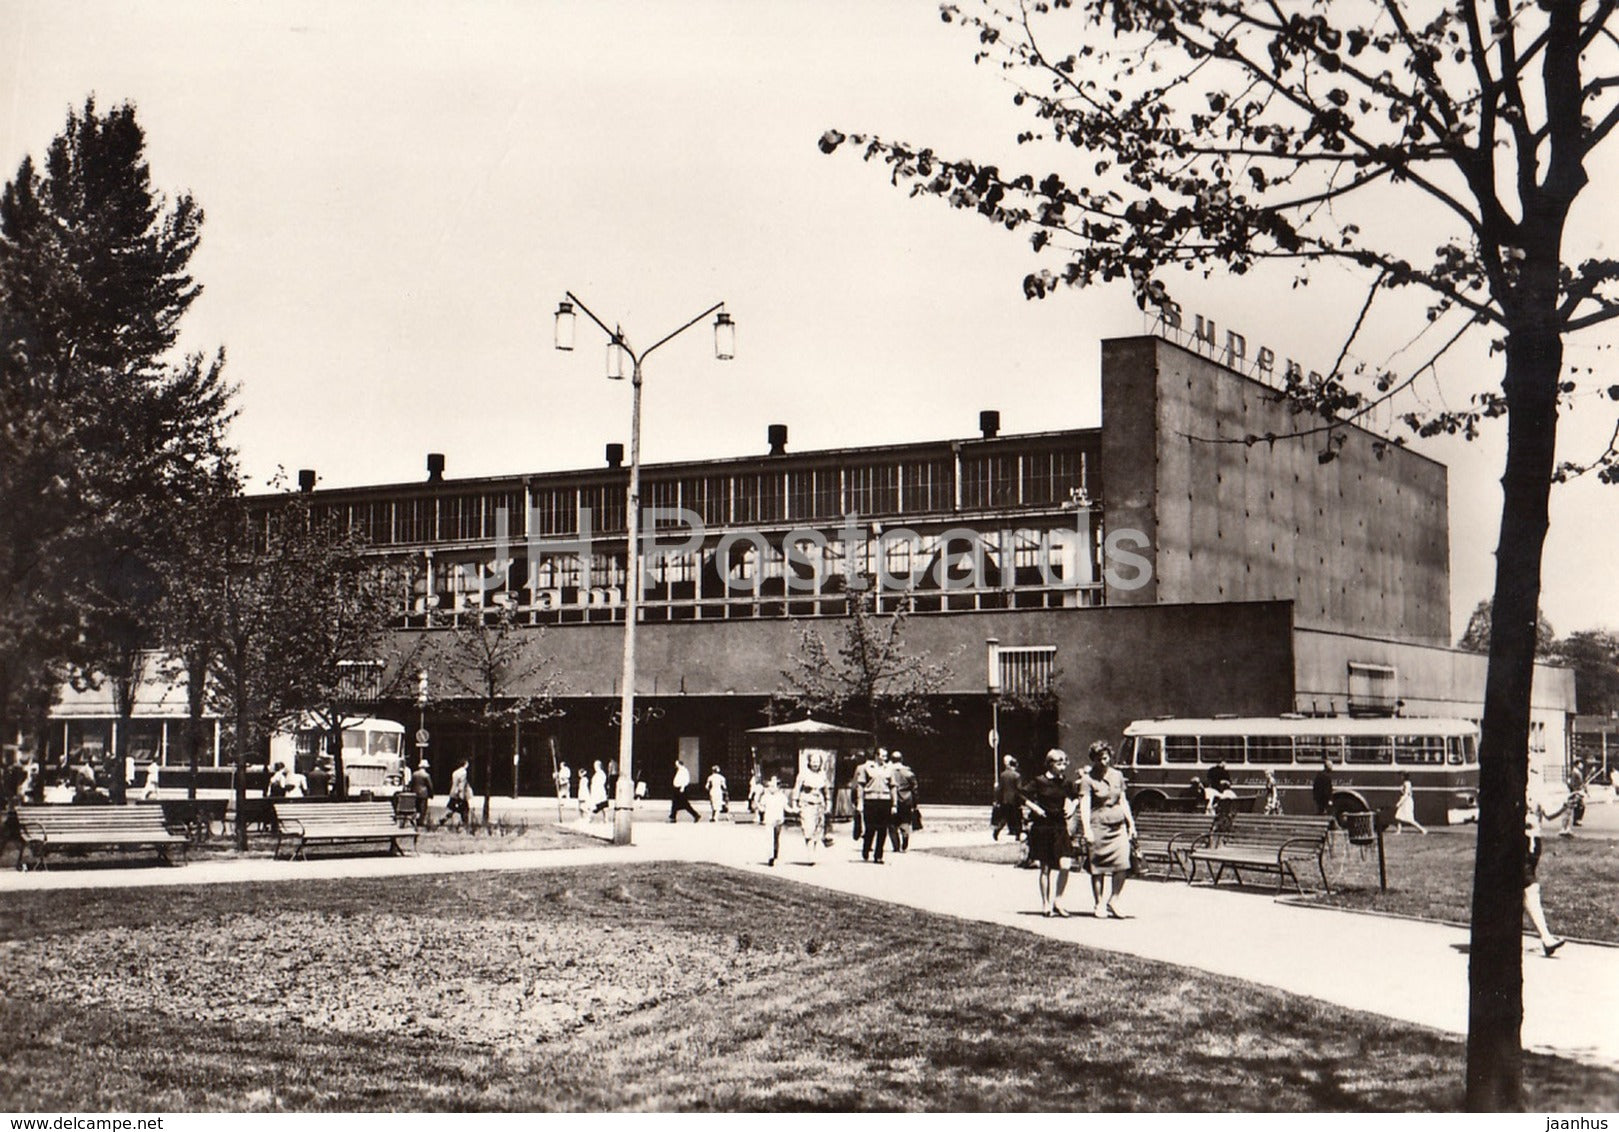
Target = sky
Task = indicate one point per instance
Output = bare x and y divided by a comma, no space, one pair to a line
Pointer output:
398,193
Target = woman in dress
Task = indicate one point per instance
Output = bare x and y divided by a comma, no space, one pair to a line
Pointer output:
1535,819
1273,796
1405,809
1108,827
716,794
1049,844
149,788
811,793
598,791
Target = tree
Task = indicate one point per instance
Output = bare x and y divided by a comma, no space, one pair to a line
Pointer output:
253,681
341,644
1233,134
189,615
294,598
1593,654
1476,637
140,549
497,677
99,423
872,682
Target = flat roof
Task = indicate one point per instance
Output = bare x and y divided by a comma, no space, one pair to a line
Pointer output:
717,465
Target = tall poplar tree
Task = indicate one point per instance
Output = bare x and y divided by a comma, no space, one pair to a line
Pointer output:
102,424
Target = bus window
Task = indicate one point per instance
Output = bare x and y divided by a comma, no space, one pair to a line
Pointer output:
1311,749
353,740
1180,748
1422,750
1368,749
1270,748
386,743
1220,748
1149,751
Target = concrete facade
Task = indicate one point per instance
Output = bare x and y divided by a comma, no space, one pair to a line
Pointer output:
1359,544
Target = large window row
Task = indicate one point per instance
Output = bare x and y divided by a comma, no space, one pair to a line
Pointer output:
1002,478
464,517
1351,750
957,569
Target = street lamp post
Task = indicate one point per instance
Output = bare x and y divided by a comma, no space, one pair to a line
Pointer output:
992,650
618,348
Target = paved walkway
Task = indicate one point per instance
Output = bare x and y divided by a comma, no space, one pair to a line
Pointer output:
1403,969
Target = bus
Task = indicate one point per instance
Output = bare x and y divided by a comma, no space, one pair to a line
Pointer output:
1160,757
373,754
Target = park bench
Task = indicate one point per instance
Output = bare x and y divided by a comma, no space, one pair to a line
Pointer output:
44,830
256,812
1164,837
201,818
1261,843
406,810
301,824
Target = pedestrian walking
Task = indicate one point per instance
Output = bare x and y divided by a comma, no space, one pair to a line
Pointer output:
1405,807
1109,828
1321,787
904,778
1574,808
756,789
149,786
680,803
1273,796
421,785
320,778
564,780
1007,811
1050,845
1534,828
812,795
874,796
715,786
459,802
598,791
772,805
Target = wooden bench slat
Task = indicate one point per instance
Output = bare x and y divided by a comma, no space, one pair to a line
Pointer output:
1165,836
45,828
1265,843
337,823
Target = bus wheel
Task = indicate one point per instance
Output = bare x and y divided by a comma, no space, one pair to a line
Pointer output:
1148,801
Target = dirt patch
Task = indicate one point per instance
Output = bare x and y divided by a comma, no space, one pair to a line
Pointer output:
506,984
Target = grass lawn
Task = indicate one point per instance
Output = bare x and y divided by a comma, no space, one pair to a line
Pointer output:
656,987
1431,878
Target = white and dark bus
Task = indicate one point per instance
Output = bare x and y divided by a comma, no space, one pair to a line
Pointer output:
373,753
1160,757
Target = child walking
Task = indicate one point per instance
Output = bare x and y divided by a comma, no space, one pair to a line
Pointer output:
773,812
